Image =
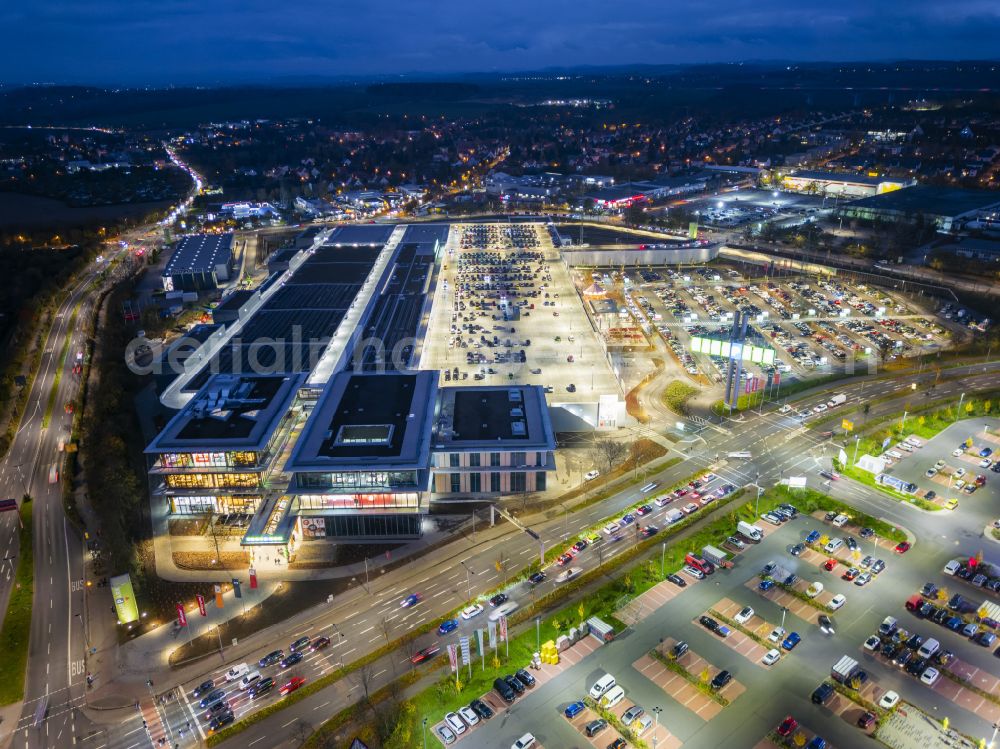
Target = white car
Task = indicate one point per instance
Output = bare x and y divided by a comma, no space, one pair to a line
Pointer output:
446,734
958,452
837,601
873,643
455,723
612,528
745,615
591,475
777,634
929,676
503,609
939,465
524,742
771,657
237,672
784,409
985,463
930,473
470,611
959,472
820,408
568,574
889,700
468,715
814,590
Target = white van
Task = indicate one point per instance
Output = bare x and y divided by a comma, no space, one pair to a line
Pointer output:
833,545
894,454
929,648
249,679
952,567
602,685
840,521
613,697
237,672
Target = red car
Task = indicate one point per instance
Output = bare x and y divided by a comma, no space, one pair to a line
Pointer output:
902,547
291,686
788,725
426,654
564,559
829,564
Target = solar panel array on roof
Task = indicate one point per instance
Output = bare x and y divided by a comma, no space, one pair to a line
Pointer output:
396,314
361,234
290,331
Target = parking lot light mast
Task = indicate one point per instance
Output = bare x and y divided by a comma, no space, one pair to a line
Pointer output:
468,578
656,717
663,551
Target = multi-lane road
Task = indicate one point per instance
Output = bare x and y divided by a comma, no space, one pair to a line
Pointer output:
361,619
781,446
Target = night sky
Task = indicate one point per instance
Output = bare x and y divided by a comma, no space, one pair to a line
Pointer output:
208,41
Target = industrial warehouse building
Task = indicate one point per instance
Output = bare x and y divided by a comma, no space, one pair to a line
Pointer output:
946,207
199,262
821,182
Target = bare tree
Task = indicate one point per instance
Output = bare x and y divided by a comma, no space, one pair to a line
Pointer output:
365,677
386,628
301,731
609,452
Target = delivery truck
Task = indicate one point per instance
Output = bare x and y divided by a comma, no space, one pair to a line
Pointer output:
844,670
836,400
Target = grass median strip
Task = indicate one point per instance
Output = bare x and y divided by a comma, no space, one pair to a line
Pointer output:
740,628
15,633
626,732
699,682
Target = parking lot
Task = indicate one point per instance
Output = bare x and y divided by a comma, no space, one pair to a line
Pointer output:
667,614
506,311
815,326
954,464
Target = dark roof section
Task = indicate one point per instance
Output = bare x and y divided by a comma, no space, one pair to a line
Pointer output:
485,415
234,301
232,412
429,233
369,422
931,200
361,234
199,253
368,405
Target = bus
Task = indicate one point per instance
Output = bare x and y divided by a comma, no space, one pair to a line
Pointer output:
743,455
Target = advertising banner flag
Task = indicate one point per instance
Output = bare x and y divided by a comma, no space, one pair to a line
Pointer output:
503,627
493,634
253,579
453,657
842,457
464,642
201,604
237,590
479,638
182,619
218,596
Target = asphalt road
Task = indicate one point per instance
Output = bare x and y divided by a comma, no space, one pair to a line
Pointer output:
781,447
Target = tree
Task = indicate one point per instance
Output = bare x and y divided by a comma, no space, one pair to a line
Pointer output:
301,731
365,677
580,611
609,452
945,723
799,739
705,676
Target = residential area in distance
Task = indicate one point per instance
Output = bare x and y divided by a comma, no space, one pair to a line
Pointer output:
641,406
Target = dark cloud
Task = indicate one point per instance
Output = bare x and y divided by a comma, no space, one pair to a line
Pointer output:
139,41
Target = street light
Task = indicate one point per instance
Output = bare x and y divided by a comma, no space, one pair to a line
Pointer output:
656,717
425,733
468,578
